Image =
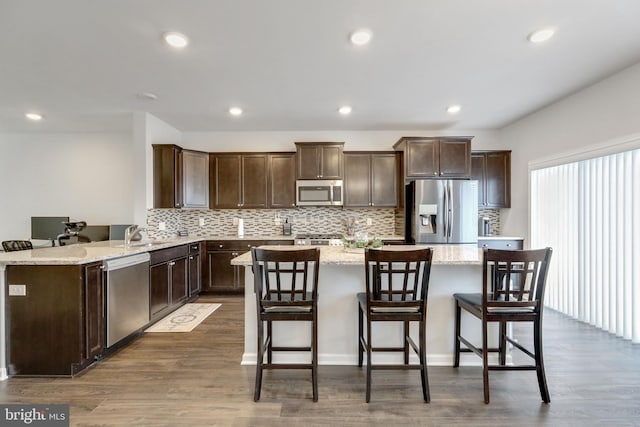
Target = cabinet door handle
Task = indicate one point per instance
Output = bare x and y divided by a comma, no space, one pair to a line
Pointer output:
219,246
190,257
508,245
172,263
435,173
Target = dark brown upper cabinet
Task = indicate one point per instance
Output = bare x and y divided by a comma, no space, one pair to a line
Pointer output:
435,157
320,160
238,180
492,169
370,179
195,179
282,180
167,176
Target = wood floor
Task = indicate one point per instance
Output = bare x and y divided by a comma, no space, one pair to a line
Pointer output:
196,379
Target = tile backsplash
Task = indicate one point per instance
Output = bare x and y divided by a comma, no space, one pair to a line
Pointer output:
268,222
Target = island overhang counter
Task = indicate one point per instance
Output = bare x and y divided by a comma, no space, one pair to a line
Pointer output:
455,268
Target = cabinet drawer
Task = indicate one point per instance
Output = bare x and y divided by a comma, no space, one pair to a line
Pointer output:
164,255
509,244
242,245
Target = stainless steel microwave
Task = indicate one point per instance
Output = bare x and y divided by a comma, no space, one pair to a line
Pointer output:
321,192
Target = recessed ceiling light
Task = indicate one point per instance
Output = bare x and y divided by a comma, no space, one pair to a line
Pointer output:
454,109
344,110
541,35
235,111
174,39
360,37
33,116
147,96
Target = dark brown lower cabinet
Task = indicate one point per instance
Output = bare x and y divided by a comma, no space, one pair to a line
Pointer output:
167,280
221,275
195,268
57,326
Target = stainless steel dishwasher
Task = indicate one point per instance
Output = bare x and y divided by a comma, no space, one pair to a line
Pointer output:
127,295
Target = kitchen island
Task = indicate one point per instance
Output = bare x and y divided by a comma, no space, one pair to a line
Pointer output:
52,302
455,268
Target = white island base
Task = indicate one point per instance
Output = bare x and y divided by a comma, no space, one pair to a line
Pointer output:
455,268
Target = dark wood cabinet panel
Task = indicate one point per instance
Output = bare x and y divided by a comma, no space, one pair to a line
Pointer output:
320,160
94,309
226,181
168,280
435,157
357,179
422,159
195,179
46,327
179,280
221,275
238,180
370,179
492,169
195,264
254,181
167,176
384,184
282,180
159,296
455,158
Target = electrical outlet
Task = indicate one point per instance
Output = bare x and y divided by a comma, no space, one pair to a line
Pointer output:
162,226
17,290
369,221
235,221
201,222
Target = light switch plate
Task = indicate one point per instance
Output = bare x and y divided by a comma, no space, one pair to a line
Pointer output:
17,290
369,221
162,226
201,222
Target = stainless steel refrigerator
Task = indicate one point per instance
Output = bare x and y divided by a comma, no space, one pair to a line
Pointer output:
442,211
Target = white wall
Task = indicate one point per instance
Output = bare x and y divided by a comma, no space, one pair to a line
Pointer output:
147,130
602,112
354,140
86,176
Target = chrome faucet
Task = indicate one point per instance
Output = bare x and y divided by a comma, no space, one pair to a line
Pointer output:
131,232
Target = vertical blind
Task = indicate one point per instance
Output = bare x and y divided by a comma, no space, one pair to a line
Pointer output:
589,213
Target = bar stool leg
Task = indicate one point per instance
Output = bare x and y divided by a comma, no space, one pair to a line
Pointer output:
542,380
456,341
368,360
314,355
406,343
259,360
423,362
360,332
485,362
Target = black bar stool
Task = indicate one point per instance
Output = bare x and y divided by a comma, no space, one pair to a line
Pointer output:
397,282
512,291
286,286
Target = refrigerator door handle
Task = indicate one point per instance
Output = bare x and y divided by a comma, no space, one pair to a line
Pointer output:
445,216
450,215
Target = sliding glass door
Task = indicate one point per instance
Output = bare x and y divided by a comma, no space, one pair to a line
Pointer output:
589,212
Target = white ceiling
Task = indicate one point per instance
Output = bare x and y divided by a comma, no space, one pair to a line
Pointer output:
289,64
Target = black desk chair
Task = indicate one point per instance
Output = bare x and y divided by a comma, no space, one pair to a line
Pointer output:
397,282
16,245
286,287
512,291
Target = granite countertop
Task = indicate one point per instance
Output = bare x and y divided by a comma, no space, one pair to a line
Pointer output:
83,253
338,255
